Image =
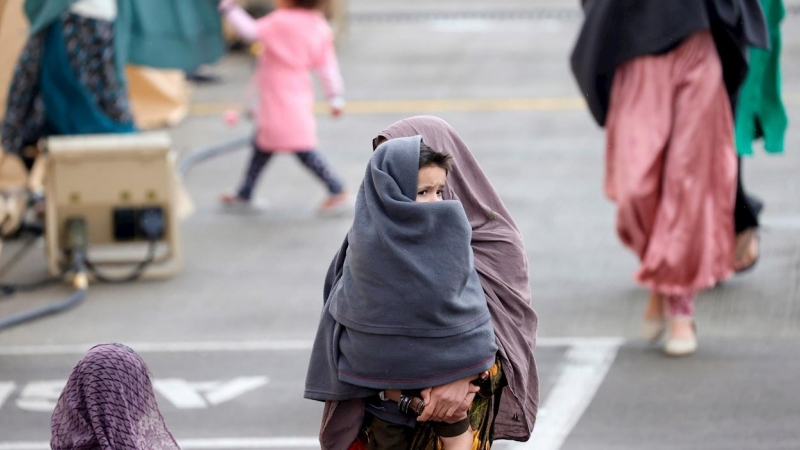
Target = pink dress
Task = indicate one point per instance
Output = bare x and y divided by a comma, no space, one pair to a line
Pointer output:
671,167
295,41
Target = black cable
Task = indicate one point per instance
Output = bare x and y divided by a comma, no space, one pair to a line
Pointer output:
17,319
18,256
7,290
135,274
203,154
71,301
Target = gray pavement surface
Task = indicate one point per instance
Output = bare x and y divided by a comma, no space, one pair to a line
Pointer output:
258,278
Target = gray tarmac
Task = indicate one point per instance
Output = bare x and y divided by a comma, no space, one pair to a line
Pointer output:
227,340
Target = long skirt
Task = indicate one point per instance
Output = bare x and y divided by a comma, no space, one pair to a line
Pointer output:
671,167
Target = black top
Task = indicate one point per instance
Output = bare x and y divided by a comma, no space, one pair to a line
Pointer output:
616,31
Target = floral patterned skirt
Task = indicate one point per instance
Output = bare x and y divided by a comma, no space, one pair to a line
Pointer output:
90,49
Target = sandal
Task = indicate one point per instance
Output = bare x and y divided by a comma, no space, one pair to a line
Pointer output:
653,328
747,251
233,203
681,346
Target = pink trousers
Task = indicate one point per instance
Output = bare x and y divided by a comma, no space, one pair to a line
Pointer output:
671,169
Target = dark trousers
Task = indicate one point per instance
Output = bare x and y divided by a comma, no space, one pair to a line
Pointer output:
747,208
312,159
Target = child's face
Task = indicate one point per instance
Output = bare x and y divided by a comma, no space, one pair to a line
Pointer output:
430,184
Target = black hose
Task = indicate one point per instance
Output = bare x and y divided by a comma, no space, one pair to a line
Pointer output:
189,161
18,255
18,319
135,274
7,290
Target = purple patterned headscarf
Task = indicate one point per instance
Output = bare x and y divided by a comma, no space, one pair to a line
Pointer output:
109,404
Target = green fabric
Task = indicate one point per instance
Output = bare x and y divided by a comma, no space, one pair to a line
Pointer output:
167,34
177,34
760,112
41,13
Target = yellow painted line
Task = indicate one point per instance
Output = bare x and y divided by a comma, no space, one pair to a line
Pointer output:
422,106
440,105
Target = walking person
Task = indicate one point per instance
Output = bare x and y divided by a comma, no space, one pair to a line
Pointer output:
507,409
662,78
109,404
760,113
295,39
70,76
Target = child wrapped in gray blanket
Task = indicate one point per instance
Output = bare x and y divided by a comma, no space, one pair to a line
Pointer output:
405,309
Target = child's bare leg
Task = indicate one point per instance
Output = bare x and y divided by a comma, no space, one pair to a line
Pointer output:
461,442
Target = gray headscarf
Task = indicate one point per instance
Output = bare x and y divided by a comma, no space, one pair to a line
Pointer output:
406,310
502,266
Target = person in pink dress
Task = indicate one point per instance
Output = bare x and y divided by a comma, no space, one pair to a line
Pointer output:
295,40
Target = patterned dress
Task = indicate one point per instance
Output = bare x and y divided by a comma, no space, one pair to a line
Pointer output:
481,417
90,49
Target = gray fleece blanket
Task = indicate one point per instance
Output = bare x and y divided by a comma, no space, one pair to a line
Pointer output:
404,307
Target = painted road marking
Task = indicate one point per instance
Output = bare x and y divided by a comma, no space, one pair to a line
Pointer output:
186,395
163,347
239,346
6,388
587,362
582,373
424,105
417,106
41,396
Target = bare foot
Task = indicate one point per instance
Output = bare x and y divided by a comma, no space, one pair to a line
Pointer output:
229,198
654,323
681,328
336,204
655,308
747,250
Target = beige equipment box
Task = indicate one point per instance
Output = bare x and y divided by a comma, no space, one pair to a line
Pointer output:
109,181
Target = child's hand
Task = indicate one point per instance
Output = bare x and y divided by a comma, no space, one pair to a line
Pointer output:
443,402
337,106
225,5
231,117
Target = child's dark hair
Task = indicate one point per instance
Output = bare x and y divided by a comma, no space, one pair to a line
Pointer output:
430,157
309,4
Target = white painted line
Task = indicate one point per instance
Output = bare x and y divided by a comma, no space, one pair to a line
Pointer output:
247,346
163,347
6,388
583,371
189,444
180,393
226,392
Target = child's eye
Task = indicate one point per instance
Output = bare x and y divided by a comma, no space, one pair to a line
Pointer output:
440,192
422,192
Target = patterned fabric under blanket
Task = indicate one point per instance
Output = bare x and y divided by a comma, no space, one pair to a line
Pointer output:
481,417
